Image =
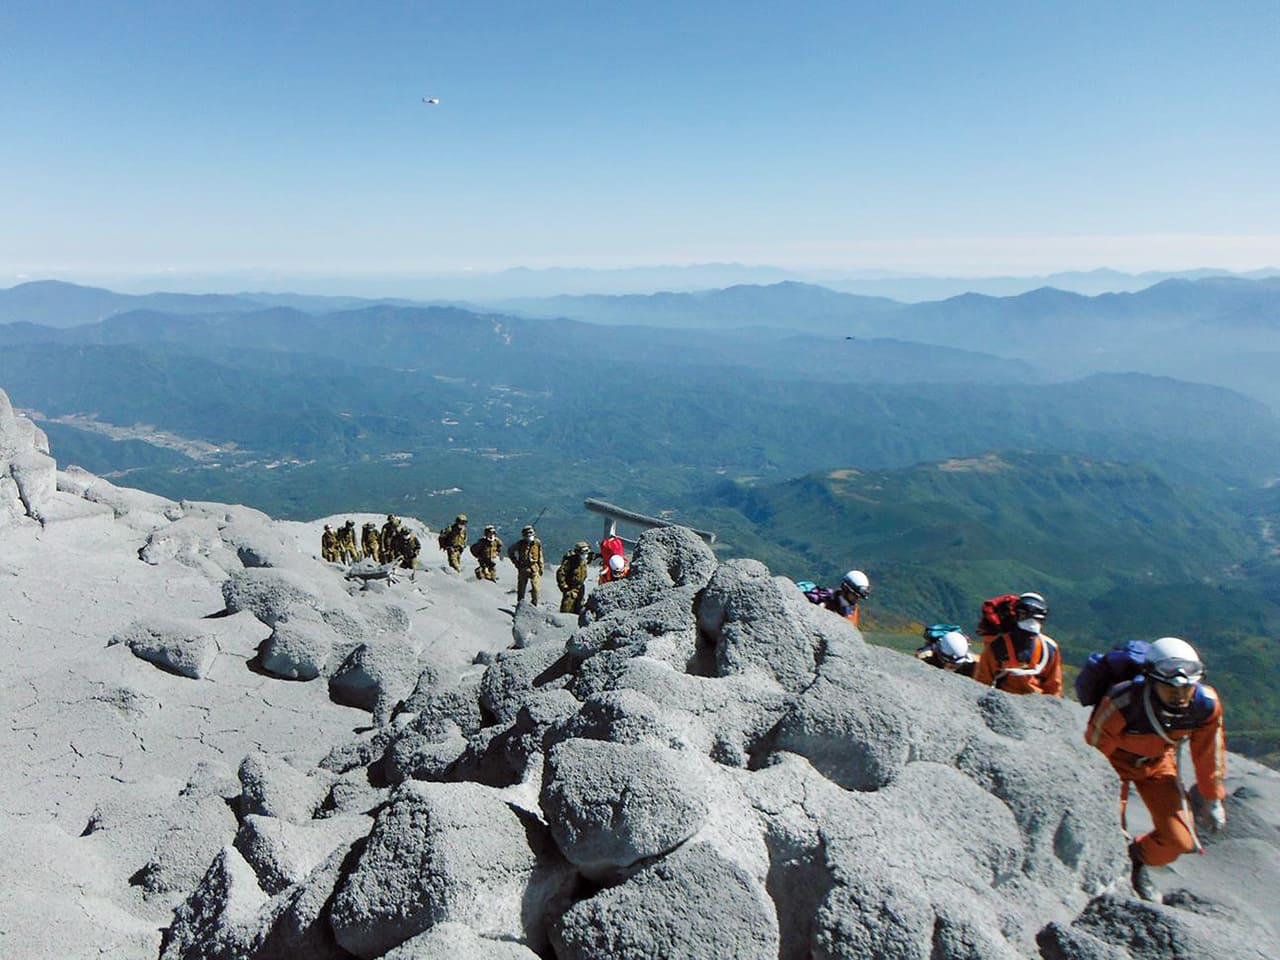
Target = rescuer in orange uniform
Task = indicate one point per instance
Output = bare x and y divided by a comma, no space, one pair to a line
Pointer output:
854,587
1139,725
1022,659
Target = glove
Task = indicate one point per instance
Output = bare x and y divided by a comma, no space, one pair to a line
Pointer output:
1217,816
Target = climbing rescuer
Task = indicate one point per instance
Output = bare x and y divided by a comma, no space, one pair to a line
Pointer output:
487,551
612,546
1139,726
853,589
615,569
947,648
453,540
1017,657
571,577
526,554
329,544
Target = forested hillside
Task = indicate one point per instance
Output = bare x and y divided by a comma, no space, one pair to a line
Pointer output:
1138,503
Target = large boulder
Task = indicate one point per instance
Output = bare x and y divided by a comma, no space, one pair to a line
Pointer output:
449,852
300,646
376,676
611,805
271,787
284,853
193,542
756,621
665,557
219,919
185,647
851,724
457,941
517,675
693,904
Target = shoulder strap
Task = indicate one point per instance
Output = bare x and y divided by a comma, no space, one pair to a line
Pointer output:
1156,725
1046,653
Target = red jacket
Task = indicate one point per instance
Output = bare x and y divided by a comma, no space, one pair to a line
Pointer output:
1139,738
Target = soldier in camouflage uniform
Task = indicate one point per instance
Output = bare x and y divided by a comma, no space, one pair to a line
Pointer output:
370,542
387,539
571,577
487,551
453,540
407,547
329,544
526,554
348,550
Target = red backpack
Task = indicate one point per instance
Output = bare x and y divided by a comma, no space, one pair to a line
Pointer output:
998,615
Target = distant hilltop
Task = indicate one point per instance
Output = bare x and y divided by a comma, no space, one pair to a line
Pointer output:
491,286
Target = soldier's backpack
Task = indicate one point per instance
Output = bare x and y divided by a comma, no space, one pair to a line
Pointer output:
442,538
998,615
1102,671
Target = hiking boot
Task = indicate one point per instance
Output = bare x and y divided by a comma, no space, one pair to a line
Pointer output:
1140,876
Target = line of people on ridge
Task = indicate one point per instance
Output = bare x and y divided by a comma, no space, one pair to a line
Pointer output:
394,543
528,557
1147,699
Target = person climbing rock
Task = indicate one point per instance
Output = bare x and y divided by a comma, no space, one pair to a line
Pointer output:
616,568
948,650
854,587
1140,725
329,544
1018,657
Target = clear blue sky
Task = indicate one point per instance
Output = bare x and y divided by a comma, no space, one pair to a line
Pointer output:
979,138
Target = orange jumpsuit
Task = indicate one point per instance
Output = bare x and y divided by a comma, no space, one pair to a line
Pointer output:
1036,668
1134,731
838,604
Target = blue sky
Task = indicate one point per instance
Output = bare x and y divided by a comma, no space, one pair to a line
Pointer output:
979,138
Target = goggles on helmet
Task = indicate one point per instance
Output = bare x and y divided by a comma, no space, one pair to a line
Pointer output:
1176,672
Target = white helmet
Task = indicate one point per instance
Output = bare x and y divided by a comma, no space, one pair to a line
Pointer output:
953,647
1174,661
857,583
616,563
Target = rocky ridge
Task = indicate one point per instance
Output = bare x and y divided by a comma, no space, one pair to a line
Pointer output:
267,759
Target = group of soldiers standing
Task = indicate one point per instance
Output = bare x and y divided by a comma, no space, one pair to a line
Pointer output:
394,543
529,559
397,543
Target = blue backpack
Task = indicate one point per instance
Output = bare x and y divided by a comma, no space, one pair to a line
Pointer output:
1103,671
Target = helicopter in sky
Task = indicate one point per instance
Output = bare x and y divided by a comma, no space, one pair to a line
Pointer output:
431,100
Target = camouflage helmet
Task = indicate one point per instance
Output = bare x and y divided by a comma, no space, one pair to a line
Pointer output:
460,518
490,529
391,518
527,528
582,546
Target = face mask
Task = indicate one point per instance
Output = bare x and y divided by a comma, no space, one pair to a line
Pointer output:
1030,625
529,537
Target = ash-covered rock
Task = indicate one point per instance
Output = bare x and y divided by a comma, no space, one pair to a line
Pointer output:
706,766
